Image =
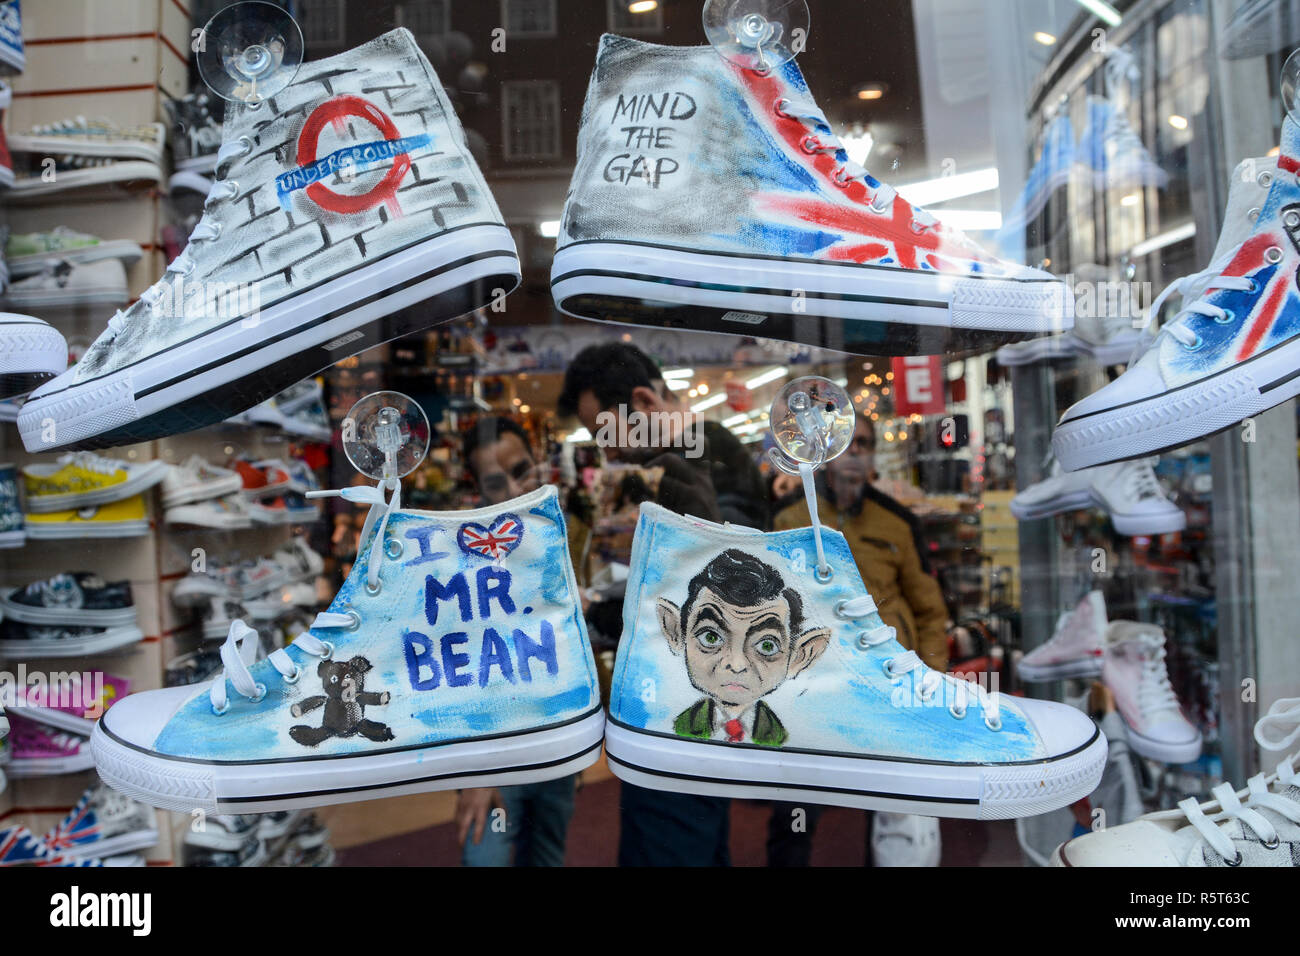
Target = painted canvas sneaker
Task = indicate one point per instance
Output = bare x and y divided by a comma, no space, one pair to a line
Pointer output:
13,57
1128,491
1075,649
197,479
26,641
455,654
78,597
1255,826
708,197
31,352
753,666
60,284
13,532
251,853
104,823
346,202
262,479
88,154
300,561
38,750
223,831
1232,350
1114,152
74,701
128,518
1050,173
1134,669
29,252
82,479
20,847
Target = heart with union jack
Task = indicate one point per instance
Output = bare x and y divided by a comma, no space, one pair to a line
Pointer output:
493,542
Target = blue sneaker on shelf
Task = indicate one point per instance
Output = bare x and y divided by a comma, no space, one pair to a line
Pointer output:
13,58
756,666
454,655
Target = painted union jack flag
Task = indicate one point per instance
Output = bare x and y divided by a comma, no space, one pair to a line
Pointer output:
18,845
494,542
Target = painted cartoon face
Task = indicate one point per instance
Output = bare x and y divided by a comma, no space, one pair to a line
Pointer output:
737,654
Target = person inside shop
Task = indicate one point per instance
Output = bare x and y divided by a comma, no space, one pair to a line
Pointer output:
603,387
532,825
884,538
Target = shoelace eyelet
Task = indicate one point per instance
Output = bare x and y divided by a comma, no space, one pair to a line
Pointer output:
1227,318
1273,255
830,573
926,698
260,695
841,178
779,108
1235,862
1253,213
1272,844
994,724
356,619
839,607
373,590
1291,219
1195,346
329,651
294,677
888,667
960,714
221,712
915,226
878,209
1265,178
815,147
394,549
247,142
864,640
1254,287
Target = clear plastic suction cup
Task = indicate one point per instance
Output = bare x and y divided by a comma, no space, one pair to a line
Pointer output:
249,51
758,35
1291,86
812,423
386,435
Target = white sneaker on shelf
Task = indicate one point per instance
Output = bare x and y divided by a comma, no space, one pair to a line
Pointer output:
1077,647
1135,671
62,283
198,480
1128,491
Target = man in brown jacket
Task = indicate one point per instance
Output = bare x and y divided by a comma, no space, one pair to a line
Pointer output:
882,535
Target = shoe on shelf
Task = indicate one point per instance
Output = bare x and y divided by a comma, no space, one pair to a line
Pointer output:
128,518
1256,826
1128,491
308,421
299,560
490,681
78,597
13,57
88,153
38,750
251,853
193,668
1231,352
72,703
262,479
259,576
292,245
758,647
905,839
223,831
778,233
218,614
198,587
277,826
62,284
1135,670
231,513
195,121
20,847
13,533
1076,648
28,253
31,352
196,480
26,641
82,479
104,824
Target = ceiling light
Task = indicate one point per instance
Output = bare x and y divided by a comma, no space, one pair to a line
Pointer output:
1132,199
927,192
1046,39
1102,11
643,6
768,377
1185,231
703,388
678,384
549,229
678,373
872,91
713,401
735,420
969,220
580,435
1178,122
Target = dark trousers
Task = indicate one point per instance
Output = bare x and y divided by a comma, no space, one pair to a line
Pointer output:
663,828
537,822
791,845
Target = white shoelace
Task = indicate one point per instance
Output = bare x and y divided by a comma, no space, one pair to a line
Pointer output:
821,140
1284,715
1140,479
1155,694
206,229
1191,289
909,661
91,462
239,650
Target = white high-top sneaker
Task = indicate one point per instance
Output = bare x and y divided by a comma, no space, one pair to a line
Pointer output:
710,197
454,655
341,203
1128,491
1231,352
756,666
1075,649
1135,671
1256,826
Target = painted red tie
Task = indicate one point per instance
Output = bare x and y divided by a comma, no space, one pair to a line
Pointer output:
735,732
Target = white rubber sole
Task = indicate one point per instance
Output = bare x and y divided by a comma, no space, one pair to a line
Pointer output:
263,786
230,368
193,494
13,539
1129,525
125,149
1067,670
127,171
1162,751
67,298
31,352
110,640
191,516
869,307
79,617
968,791
1175,418
51,766
1059,348
64,530
124,249
140,478
58,720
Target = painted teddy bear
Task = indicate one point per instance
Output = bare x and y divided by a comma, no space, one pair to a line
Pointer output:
345,700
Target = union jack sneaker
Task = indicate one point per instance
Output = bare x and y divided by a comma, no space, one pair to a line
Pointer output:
454,655
1233,348
709,197
340,205
104,823
20,847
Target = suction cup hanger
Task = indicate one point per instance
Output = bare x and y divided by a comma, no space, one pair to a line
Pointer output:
1290,86
758,35
249,52
812,423
386,436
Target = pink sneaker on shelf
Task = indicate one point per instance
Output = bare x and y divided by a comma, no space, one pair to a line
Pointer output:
75,703
1076,648
1136,674
41,751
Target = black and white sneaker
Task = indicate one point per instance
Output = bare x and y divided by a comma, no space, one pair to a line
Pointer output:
73,598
